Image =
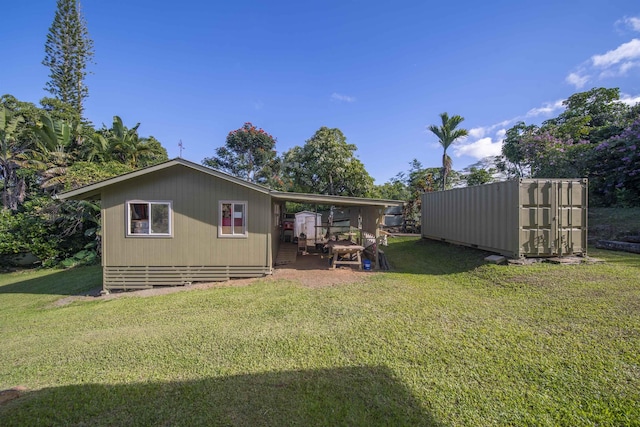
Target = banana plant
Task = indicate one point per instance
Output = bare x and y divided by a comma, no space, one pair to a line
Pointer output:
54,142
13,155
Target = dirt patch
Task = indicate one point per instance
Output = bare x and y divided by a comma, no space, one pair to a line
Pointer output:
11,394
313,270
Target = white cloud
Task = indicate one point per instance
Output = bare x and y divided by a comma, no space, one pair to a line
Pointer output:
504,123
577,79
501,134
547,108
628,65
613,63
479,149
629,99
481,131
630,22
477,132
623,53
342,98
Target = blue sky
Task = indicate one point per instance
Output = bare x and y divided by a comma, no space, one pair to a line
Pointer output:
380,71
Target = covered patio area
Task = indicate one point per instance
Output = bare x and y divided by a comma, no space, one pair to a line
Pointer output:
350,227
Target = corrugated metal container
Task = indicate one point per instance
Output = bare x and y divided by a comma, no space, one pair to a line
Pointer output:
520,218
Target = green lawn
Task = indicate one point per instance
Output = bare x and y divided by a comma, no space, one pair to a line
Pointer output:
443,340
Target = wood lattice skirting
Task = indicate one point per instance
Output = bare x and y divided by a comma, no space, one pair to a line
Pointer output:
145,277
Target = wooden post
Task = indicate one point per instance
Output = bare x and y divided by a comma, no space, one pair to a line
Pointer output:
376,261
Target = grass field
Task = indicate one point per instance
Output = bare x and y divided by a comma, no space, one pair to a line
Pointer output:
442,340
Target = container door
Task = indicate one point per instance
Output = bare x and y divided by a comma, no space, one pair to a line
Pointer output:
571,217
556,203
553,217
537,218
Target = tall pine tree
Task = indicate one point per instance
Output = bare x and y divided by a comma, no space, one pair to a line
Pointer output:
68,51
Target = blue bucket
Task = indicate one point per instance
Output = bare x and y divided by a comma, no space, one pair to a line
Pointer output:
366,264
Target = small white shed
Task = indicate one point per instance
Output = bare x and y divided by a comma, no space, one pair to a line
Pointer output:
309,223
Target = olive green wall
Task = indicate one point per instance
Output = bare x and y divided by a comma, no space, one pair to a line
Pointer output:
195,242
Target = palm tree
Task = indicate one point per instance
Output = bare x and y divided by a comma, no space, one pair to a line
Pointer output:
447,134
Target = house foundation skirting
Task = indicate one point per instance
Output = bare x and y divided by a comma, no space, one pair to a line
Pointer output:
145,277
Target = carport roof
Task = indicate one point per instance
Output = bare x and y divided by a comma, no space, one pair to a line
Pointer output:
323,199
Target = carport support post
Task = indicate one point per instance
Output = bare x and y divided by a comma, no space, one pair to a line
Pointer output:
376,262
317,227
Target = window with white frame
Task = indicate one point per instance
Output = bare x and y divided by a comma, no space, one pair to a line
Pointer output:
146,218
232,219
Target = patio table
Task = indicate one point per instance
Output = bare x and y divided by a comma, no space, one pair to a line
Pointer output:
345,252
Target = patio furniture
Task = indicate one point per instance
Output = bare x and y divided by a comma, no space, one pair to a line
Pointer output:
345,252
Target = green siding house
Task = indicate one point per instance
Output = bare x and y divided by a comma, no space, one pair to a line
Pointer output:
178,222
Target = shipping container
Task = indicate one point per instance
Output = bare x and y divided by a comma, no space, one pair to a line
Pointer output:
518,218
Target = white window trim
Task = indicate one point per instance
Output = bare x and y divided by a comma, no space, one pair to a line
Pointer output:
246,226
149,235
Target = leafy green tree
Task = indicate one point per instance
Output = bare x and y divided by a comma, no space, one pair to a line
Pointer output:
326,164
248,153
484,171
394,189
276,176
28,232
585,140
592,116
478,176
447,134
152,153
28,111
127,147
515,159
419,180
561,147
68,50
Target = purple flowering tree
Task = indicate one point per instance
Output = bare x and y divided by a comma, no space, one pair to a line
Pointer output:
596,137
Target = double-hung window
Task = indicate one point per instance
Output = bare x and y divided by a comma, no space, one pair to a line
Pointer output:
232,219
149,218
